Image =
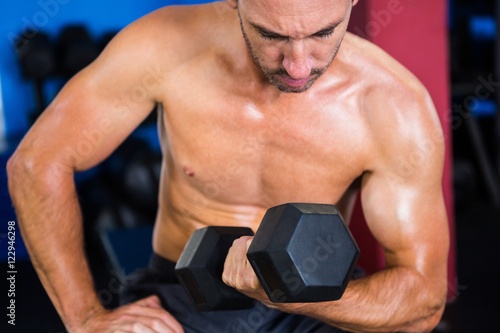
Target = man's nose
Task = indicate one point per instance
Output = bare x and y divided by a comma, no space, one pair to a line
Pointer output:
296,61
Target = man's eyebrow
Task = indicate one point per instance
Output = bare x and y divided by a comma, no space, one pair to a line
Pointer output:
327,29
270,33
266,32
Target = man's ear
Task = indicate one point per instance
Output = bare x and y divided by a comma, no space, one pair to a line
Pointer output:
234,3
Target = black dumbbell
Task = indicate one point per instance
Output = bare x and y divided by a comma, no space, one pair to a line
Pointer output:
200,267
38,62
134,170
36,56
300,253
76,49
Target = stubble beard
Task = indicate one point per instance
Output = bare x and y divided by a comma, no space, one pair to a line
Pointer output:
272,74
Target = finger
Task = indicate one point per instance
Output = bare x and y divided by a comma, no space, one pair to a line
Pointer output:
240,256
236,263
249,242
152,301
229,266
156,318
142,324
142,328
154,326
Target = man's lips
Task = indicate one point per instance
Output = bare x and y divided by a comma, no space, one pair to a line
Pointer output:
294,83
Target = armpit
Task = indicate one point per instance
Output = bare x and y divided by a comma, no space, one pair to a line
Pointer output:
346,202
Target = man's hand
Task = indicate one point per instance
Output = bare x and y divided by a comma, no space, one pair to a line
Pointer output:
239,274
144,316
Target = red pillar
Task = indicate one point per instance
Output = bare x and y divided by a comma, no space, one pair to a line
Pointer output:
415,33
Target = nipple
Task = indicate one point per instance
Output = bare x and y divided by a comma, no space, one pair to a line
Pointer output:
188,171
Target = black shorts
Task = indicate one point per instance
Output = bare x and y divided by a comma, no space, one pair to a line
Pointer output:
159,279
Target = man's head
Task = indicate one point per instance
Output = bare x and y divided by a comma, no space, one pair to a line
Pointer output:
293,42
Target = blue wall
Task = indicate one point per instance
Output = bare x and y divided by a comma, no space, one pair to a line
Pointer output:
18,17
17,98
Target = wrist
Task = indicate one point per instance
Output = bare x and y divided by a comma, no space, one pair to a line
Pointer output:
294,308
83,318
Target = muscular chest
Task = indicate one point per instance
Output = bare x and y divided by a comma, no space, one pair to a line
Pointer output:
236,150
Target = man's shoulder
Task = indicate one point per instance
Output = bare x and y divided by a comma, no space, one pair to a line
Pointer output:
177,30
386,86
189,16
396,106
381,73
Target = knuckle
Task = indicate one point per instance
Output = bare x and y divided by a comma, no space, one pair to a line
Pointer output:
158,323
154,298
239,284
254,284
226,278
137,327
165,317
243,239
234,244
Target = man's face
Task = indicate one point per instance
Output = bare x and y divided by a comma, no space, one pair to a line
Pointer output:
293,42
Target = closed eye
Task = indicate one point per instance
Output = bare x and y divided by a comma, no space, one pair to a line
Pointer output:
324,33
271,36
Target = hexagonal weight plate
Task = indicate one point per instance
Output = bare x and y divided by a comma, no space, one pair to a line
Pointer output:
199,269
303,253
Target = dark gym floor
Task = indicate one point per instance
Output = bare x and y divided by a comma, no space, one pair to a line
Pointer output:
476,308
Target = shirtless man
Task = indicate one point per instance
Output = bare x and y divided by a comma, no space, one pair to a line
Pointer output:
259,105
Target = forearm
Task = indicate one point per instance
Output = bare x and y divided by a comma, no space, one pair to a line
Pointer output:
396,299
50,221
